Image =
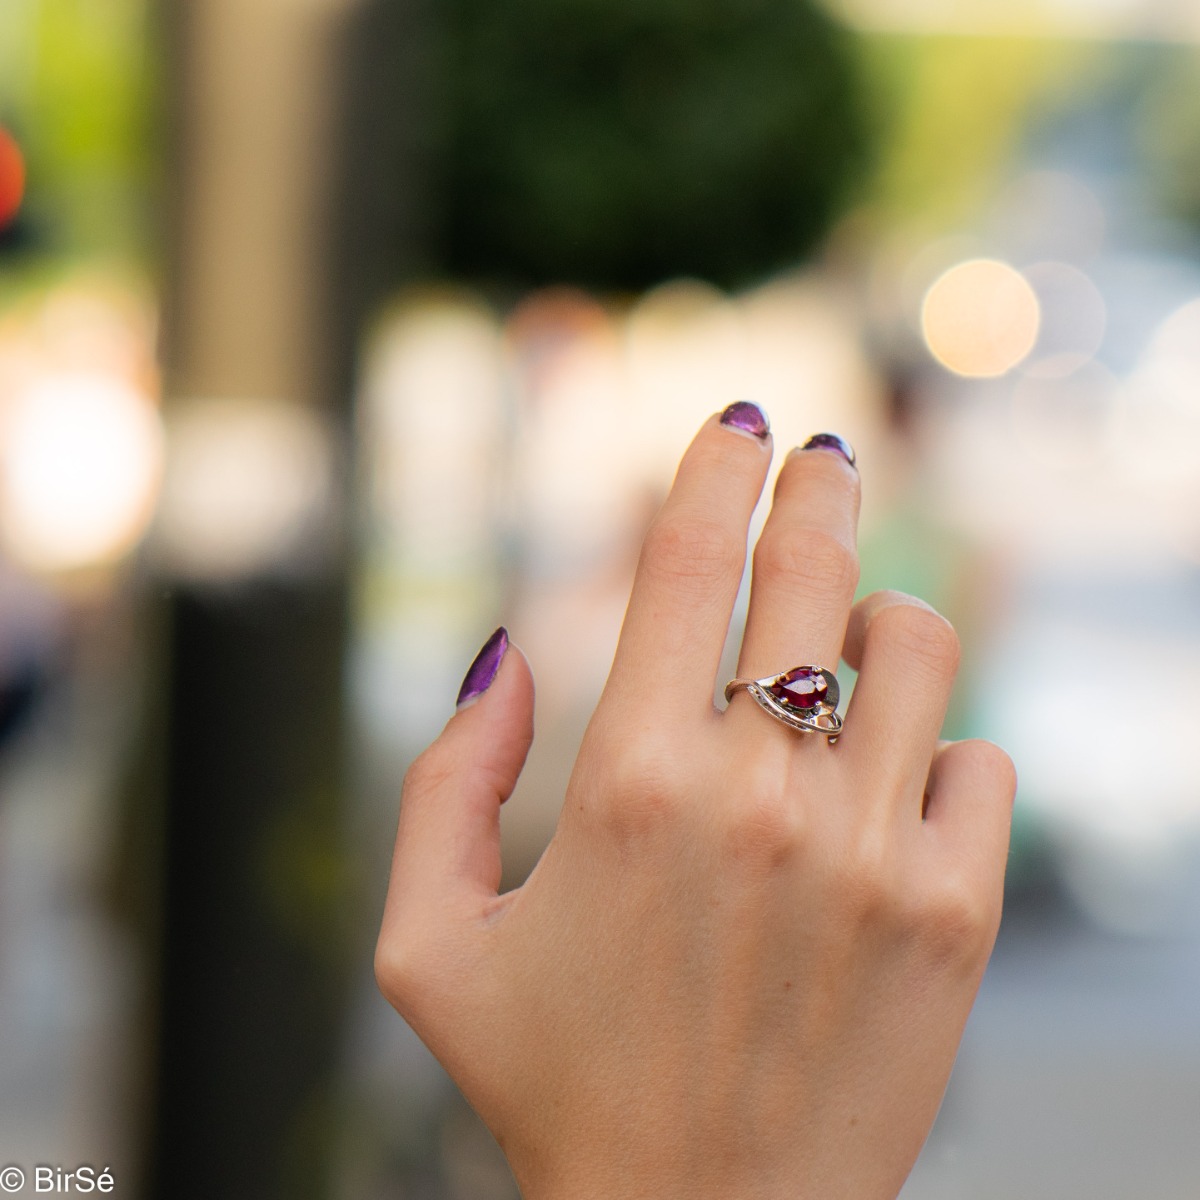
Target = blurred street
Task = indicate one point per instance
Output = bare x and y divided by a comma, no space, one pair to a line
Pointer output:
334,335
1080,1072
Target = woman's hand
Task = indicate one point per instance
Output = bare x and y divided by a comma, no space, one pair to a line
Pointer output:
743,964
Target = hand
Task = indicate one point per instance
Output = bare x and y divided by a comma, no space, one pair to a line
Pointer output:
743,964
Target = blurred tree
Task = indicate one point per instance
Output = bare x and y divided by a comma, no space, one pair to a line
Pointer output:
615,143
952,112
1168,133
77,82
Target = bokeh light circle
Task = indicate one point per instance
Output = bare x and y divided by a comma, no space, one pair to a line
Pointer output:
1072,422
81,468
12,177
248,489
1074,318
980,318
1179,335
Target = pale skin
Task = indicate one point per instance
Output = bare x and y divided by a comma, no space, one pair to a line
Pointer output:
743,965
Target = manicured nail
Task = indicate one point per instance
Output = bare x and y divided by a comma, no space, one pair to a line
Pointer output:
746,417
483,670
831,441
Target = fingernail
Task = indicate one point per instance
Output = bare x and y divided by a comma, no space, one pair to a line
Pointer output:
746,417
831,441
483,670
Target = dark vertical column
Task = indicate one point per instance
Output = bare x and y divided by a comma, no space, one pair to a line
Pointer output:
391,136
288,218
253,932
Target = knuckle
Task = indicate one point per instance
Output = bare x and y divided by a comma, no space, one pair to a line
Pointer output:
644,793
996,765
396,967
691,551
764,832
809,558
922,635
957,921
420,966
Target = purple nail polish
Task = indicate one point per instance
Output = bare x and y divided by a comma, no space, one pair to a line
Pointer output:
746,416
483,670
831,441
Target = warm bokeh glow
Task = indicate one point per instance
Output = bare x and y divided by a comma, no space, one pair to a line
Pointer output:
248,487
82,462
980,318
685,355
430,424
12,177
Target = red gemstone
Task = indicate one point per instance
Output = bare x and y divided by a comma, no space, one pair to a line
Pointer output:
801,687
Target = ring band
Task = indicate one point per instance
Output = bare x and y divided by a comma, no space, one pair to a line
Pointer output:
804,698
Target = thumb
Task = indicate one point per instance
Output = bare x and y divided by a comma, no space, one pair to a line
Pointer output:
448,841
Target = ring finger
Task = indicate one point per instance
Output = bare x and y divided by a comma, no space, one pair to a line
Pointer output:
805,563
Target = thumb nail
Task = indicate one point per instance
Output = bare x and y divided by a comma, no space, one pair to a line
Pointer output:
483,670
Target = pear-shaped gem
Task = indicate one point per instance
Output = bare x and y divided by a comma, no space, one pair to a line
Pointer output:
801,687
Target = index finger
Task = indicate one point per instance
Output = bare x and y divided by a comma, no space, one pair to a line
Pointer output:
691,566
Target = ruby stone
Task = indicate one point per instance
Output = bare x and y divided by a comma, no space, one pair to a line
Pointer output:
801,687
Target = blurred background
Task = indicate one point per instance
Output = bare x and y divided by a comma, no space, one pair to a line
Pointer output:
334,333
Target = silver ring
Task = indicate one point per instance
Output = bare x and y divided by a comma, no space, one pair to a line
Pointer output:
804,698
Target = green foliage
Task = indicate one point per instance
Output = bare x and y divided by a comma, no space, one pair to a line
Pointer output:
952,112
613,143
1169,128
75,82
